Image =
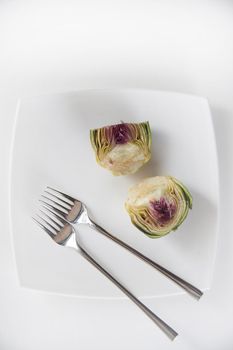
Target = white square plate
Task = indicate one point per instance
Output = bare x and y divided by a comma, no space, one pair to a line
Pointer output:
51,147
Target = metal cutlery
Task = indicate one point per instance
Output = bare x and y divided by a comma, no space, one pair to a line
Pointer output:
65,234
75,212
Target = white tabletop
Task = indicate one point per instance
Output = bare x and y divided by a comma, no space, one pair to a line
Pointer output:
51,46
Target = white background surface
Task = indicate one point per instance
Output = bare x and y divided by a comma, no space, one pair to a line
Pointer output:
179,45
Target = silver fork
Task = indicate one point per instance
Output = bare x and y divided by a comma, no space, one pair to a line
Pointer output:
75,212
65,234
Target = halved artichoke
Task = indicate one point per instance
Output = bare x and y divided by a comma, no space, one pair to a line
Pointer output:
122,148
158,205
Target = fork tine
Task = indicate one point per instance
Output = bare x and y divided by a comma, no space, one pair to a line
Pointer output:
72,199
53,210
56,210
50,218
50,233
48,224
59,199
55,215
60,205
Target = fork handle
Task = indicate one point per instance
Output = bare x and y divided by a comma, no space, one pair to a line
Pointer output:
171,333
197,293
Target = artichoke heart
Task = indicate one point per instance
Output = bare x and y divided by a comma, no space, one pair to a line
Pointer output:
158,205
122,148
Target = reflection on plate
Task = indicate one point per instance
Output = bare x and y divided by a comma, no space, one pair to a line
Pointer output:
52,147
